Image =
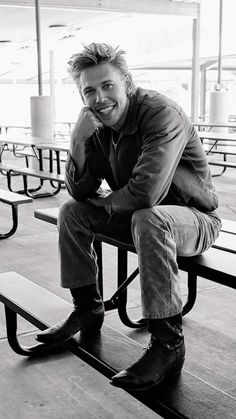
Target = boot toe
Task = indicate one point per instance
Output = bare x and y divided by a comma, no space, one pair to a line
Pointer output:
125,379
158,363
54,334
77,321
130,381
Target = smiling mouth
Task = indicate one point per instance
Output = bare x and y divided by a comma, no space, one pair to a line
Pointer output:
106,110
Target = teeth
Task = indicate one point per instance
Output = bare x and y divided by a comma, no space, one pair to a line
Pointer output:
106,110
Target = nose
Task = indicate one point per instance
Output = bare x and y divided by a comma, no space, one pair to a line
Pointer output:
100,96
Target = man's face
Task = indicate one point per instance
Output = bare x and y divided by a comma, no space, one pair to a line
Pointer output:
103,90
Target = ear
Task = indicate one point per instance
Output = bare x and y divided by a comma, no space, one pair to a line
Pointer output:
82,97
129,83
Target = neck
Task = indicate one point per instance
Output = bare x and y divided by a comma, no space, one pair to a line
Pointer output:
119,125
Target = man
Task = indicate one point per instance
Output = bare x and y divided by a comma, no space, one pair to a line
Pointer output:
162,197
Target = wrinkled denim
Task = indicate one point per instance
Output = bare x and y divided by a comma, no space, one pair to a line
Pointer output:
159,235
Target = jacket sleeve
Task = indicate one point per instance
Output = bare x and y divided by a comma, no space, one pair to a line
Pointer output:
84,187
164,140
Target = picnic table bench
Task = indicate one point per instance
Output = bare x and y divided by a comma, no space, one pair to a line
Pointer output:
11,169
222,144
12,199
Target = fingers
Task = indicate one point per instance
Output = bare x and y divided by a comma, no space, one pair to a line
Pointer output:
86,124
93,118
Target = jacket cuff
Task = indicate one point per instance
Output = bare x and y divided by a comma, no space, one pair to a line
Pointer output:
71,171
70,167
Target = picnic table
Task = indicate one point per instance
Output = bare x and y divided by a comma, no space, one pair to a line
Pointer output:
219,143
223,137
207,126
4,128
37,145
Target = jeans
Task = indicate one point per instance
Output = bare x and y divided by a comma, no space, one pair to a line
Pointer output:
159,234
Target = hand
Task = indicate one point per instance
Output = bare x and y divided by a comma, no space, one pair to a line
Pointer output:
102,202
85,125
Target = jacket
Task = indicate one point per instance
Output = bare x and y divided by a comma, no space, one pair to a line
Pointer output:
158,159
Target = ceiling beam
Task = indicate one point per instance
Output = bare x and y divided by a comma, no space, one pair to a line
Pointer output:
186,64
161,7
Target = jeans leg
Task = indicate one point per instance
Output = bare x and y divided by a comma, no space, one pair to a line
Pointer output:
160,234
77,223
76,234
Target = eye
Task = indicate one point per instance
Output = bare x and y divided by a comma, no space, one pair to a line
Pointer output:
108,86
88,92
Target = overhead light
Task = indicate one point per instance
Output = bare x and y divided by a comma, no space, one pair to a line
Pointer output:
57,31
26,44
5,44
57,26
68,36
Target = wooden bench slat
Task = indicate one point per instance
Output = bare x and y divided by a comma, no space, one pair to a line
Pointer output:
49,215
33,172
23,296
214,264
230,153
229,226
13,198
226,241
229,164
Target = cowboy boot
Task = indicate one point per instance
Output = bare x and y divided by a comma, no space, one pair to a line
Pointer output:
163,357
87,317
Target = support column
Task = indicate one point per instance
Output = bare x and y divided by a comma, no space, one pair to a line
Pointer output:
195,68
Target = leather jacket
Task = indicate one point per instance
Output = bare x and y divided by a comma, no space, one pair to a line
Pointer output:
158,159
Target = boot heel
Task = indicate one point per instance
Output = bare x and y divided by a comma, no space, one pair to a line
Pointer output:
95,327
177,370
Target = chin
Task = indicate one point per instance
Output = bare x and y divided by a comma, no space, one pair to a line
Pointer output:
109,123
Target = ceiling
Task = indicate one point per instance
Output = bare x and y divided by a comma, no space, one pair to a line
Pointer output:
17,18
17,24
18,35
64,28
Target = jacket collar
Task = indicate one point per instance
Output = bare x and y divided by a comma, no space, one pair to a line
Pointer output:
130,125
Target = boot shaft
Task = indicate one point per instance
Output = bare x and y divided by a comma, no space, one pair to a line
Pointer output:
168,329
87,297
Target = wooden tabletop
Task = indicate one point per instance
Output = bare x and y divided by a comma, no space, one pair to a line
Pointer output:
26,140
214,124
54,145
222,136
39,142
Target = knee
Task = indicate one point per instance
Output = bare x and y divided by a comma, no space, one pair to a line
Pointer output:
70,209
65,210
147,219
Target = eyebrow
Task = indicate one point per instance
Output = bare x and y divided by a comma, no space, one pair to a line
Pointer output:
103,82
